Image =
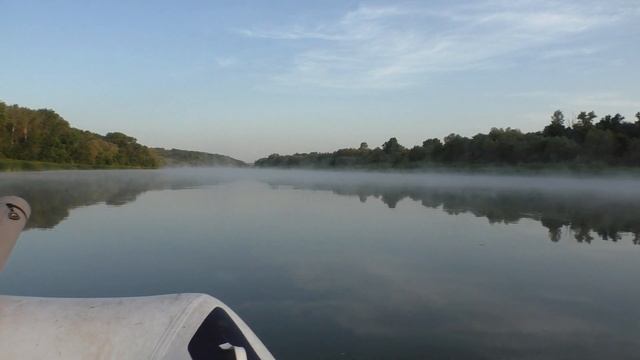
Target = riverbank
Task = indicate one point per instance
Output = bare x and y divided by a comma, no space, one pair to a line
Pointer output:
573,169
8,165
540,170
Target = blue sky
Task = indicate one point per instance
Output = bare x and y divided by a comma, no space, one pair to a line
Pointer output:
250,78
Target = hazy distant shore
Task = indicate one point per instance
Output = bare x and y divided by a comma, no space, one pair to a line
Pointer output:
10,165
528,169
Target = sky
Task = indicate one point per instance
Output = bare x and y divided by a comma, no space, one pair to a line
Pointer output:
251,78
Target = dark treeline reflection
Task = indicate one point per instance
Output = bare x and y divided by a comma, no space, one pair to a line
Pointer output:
52,195
586,215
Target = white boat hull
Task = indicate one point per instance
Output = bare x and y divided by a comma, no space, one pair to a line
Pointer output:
154,327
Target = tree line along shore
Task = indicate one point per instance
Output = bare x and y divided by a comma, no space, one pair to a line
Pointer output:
588,141
43,140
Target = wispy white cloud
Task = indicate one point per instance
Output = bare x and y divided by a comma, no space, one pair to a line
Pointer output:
575,52
225,62
395,46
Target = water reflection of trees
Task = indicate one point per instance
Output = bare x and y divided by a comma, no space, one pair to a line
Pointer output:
53,195
586,215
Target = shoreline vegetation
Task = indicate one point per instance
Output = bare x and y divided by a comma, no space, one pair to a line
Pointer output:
32,140
29,165
42,140
587,144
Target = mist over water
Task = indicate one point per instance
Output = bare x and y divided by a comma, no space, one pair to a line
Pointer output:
352,265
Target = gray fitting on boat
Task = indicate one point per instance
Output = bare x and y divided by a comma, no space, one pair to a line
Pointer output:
14,213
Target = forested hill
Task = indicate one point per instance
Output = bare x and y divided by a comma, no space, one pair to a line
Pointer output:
38,139
177,157
43,135
584,141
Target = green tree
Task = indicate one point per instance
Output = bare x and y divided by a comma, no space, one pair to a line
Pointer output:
432,148
560,149
556,128
609,122
586,119
417,153
455,148
633,153
43,135
583,125
599,144
392,146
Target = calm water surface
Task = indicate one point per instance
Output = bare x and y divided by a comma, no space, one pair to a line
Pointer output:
352,265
